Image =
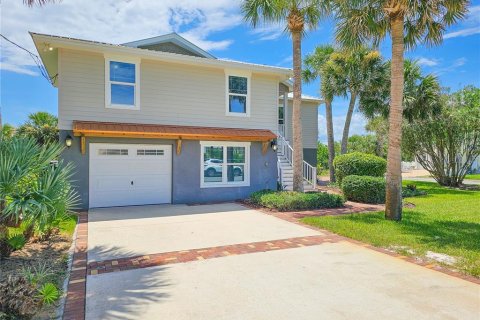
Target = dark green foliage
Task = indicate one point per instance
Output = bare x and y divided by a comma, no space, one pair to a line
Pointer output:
19,298
364,189
364,144
17,242
290,201
322,156
411,191
360,164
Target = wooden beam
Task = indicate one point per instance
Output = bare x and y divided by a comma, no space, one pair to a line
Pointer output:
179,146
264,147
171,136
82,144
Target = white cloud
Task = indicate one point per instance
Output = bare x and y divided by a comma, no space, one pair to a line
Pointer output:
427,62
114,21
462,33
469,26
453,67
286,62
357,126
269,32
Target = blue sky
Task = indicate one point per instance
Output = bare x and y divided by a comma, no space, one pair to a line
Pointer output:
216,26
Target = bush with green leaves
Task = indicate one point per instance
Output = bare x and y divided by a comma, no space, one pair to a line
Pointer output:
360,164
48,293
293,201
32,191
364,189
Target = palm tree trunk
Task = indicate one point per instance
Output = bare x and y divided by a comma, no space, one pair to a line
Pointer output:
330,139
348,120
296,116
393,205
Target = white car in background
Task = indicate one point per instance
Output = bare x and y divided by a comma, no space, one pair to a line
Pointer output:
213,167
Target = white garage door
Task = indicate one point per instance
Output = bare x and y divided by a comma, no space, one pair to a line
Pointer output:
129,174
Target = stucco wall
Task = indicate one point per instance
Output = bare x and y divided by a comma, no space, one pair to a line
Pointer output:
186,170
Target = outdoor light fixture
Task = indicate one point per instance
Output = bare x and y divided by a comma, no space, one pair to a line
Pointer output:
273,144
68,141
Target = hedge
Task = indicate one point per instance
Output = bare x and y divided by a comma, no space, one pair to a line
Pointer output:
293,201
364,189
360,164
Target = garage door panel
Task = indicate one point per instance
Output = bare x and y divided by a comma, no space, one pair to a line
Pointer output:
130,174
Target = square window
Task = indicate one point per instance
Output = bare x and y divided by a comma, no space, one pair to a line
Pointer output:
237,85
122,72
123,94
225,164
237,104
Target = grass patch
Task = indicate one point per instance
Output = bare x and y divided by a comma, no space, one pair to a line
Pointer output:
473,176
295,201
445,221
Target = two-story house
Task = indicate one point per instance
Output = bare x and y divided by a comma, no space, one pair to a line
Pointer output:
162,121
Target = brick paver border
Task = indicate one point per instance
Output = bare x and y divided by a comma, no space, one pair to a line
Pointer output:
158,259
75,301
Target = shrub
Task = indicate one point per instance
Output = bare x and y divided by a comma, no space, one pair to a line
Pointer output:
48,293
17,242
360,164
412,191
289,200
19,298
364,189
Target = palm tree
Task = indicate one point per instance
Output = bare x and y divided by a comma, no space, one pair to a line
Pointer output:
314,68
409,23
42,126
7,130
297,15
421,94
353,71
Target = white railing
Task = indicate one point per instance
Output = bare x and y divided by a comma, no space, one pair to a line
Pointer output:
309,171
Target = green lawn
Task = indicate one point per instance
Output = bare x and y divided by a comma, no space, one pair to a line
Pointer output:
473,176
444,221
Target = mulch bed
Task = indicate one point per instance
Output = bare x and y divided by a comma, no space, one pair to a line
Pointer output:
53,253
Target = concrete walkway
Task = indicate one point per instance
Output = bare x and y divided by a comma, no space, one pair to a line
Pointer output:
327,280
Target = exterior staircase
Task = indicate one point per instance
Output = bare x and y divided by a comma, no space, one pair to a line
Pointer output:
285,168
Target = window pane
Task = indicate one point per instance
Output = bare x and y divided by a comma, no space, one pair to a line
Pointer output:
113,152
236,154
149,152
213,155
212,172
235,173
238,104
280,113
123,94
122,72
237,85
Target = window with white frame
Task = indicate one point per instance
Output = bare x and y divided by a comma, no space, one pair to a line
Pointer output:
225,164
122,84
238,95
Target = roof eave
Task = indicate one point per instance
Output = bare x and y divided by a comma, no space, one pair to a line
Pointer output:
77,44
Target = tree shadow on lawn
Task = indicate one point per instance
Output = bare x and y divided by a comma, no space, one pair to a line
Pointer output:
125,294
433,188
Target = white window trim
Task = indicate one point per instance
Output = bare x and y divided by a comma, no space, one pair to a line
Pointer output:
239,73
136,85
224,183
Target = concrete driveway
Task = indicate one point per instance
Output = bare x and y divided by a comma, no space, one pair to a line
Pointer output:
326,281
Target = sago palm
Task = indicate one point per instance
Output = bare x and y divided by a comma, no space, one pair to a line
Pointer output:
315,67
408,23
297,16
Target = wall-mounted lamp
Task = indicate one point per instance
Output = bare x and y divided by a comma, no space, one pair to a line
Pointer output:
273,144
68,141
47,47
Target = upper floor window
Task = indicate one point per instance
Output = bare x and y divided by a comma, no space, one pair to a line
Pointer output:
238,95
122,84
